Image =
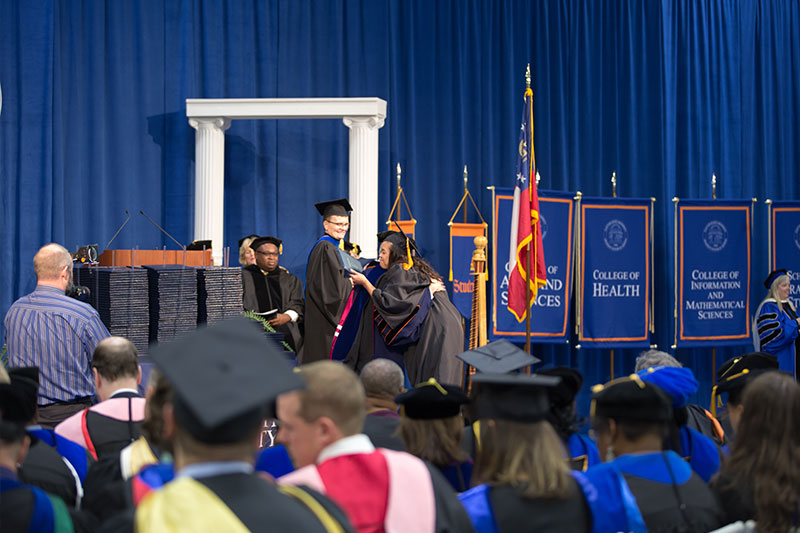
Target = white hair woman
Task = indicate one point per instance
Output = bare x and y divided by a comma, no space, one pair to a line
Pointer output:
776,327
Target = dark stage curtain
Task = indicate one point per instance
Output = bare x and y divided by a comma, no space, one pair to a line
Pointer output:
664,93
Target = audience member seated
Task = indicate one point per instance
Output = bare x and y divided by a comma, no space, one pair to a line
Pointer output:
25,507
112,424
382,380
215,417
379,489
108,486
562,416
657,488
524,480
498,357
761,479
697,417
700,451
44,467
732,377
431,428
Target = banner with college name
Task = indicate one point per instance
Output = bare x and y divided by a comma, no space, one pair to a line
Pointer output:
785,243
713,272
462,245
550,311
615,273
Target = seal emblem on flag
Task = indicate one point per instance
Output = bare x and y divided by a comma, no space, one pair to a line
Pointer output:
615,235
715,236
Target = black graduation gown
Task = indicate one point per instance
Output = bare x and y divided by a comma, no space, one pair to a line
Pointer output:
327,289
441,339
450,514
110,435
257,296
393,319
259,506
515,513
45,468
381,430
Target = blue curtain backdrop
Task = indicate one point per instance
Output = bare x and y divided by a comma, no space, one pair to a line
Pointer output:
665,93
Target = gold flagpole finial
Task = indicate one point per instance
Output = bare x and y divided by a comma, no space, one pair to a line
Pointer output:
538,178
465,178
399,173
713,186
528,77
614,184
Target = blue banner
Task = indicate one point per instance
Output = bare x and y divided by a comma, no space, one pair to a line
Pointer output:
550,311
462,245
713,271
615,273
785,245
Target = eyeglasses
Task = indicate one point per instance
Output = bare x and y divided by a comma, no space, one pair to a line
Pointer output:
339,224
268,254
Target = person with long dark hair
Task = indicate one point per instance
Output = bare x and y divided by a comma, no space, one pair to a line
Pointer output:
761,479
407,320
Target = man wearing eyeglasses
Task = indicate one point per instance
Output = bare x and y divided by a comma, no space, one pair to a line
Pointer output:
58,334
327,283
269,287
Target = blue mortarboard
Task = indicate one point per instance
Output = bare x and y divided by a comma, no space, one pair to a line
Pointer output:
775,274
679,383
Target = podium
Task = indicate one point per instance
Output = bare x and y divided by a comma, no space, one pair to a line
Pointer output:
129,257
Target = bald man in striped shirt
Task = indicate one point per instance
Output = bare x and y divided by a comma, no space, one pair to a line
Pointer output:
56,333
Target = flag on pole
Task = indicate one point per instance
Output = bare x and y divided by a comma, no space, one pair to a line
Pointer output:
525,227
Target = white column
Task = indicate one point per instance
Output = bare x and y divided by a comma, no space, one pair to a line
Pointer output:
209,160
364,182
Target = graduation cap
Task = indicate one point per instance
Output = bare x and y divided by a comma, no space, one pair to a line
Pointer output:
431,400
340,207
678,382
224,377
775,274
18,398
251,236
737,372
631,398
498,357
564,393
514,397
258,241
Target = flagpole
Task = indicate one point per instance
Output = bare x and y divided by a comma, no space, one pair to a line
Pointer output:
531,266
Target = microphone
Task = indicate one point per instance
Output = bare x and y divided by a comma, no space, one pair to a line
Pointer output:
120,229
153,222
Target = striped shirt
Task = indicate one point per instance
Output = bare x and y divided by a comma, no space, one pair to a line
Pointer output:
58,334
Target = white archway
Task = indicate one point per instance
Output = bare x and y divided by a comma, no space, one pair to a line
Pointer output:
211,117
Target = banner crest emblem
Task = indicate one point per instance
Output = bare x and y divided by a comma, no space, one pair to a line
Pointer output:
615,235
715,236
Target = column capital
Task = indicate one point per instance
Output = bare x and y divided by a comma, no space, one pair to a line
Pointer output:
220,123
375,122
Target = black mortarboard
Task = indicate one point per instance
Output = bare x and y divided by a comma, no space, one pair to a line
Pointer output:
330,208
251,236
258,241
775,274
431,400
737,372
498,357
515,397
223,377
18,398
630,398
571,381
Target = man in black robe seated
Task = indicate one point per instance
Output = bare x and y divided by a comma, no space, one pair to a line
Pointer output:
268,286
224,377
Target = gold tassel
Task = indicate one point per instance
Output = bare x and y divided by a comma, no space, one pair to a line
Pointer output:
410,262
